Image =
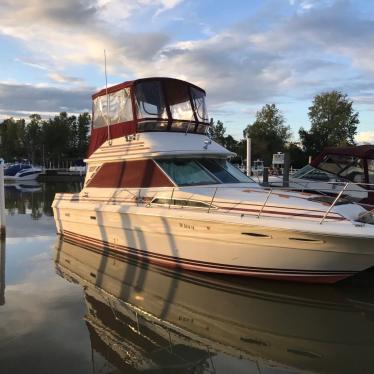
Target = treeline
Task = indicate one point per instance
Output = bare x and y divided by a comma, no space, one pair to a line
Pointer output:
333,123
54,141
62,138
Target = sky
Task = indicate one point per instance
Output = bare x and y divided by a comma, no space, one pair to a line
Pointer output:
244,53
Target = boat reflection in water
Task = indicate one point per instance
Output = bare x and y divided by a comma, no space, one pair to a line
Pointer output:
146,317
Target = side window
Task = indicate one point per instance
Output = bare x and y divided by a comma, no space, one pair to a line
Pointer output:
120,108
371,173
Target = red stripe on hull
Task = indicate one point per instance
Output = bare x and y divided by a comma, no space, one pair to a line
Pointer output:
172,263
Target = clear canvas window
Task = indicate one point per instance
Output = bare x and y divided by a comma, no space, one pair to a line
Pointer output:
179,101
119,110
198,98
150,100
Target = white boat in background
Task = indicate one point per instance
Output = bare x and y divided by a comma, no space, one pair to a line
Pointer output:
158,188
21,172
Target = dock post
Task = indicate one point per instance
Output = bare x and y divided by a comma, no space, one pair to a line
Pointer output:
265,177
249,158
286,170
2,201
2,271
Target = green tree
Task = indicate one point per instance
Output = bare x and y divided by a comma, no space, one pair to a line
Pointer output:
298,157
217,131
333,122
268,132
33,138
13,139
84,122
58,137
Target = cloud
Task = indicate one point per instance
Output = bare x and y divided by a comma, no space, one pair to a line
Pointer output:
365,137
315,46
29,98
61,78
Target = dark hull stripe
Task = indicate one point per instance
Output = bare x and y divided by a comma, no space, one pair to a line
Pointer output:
318,276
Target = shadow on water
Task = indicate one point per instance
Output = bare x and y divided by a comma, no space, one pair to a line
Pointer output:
189,322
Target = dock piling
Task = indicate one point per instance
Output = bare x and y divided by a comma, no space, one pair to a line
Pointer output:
2,200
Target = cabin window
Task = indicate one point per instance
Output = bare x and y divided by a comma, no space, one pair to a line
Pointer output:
186,172
218,170
181,203
189,172
150,100
120,108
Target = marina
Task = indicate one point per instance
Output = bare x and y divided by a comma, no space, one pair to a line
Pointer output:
186,187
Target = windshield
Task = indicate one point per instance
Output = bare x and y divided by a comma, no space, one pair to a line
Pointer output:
175,101
150,100
348,167
190,172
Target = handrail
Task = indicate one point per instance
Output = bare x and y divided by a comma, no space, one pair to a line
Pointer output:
201,194
211,202
266,200
333,204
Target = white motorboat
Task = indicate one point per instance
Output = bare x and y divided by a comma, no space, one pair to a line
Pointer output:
158,188
21,172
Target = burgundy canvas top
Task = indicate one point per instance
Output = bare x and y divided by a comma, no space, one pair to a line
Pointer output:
120,86
118,129
360,151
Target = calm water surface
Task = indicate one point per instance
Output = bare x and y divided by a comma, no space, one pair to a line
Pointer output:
69,309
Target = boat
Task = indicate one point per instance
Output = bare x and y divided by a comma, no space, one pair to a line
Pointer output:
21,172
335,167
312,179
350,164
158,188
143,317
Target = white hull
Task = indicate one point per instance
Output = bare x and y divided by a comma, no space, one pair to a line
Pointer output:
199,241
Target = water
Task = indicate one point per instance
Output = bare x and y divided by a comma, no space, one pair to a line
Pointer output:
69,309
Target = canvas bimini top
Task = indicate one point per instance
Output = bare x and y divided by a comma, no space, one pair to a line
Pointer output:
150,104
354,163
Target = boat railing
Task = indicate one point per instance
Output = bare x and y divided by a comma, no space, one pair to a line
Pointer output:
193,196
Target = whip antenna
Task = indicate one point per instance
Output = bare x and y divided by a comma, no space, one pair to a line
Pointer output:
107,101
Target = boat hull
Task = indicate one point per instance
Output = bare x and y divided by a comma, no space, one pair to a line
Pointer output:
214,247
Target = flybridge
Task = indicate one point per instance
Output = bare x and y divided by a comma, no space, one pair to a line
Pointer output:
151,104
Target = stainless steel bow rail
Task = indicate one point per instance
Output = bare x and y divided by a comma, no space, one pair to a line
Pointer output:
333,203
139,196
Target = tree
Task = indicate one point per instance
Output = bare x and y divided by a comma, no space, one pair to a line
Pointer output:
333,122
217,131
84,121
268,132
12,139
33,138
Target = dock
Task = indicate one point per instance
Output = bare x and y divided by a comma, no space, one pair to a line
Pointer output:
61,175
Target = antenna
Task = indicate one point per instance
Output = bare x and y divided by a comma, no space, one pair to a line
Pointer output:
107,101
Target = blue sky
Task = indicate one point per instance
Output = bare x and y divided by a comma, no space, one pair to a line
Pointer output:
244,53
